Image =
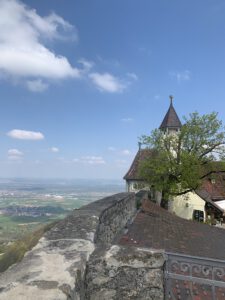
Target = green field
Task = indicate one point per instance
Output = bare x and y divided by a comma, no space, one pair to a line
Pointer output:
16,227
50,201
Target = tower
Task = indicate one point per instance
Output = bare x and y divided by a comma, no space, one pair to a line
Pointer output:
171,122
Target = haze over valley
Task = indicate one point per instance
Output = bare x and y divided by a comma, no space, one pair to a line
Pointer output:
27,204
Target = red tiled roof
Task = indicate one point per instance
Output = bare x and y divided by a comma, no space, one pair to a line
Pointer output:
201,192
155,227
215,188
142,154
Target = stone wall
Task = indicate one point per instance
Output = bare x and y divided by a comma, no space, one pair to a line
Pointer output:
125,274
76,260
55,267
114,218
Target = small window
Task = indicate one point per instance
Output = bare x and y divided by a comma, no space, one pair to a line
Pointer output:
198,215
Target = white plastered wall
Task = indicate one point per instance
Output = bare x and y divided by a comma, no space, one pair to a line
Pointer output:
183,206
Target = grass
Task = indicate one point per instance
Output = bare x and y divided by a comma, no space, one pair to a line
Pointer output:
16,250
16,227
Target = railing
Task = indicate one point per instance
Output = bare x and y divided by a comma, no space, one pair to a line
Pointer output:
194,278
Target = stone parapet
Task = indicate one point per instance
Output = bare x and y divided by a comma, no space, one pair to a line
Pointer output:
114,218
125,273
54,269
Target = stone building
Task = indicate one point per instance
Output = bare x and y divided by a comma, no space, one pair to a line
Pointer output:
199,204
170,124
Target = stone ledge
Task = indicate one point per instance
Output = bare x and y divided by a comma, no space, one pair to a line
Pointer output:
125,273
54,268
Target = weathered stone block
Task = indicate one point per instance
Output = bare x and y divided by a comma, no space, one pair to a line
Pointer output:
55,268
125,273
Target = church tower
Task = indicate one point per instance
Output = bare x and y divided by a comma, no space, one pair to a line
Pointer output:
171,122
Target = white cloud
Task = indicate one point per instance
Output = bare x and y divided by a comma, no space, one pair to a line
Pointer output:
26,58
125,152
127,120
107,82
36,85
15,155
181,76
54,149
87,65
91,160
132,76
22,50
14,152
25,135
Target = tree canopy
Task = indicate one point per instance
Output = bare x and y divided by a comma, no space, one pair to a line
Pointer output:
182,160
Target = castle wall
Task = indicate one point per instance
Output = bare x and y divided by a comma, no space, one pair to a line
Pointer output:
54,268
58,267
125,273
114,218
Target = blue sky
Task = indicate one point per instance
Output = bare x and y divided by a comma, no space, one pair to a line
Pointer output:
81,80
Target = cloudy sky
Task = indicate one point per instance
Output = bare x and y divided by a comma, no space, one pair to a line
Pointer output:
81,80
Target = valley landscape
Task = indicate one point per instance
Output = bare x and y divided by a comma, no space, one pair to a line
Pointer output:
26,205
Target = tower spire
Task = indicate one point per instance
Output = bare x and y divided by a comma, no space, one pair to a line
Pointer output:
171,120
171,99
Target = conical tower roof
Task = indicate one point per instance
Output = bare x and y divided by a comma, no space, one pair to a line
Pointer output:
171,119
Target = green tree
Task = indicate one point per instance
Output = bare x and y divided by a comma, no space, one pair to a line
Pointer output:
179,162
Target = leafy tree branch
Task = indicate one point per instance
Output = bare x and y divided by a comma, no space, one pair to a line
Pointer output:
179,162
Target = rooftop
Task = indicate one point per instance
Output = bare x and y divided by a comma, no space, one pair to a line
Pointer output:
171,119
215,187
155,227
141,155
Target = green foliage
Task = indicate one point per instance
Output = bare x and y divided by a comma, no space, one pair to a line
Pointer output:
16,227
15,251
182,160
139,185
